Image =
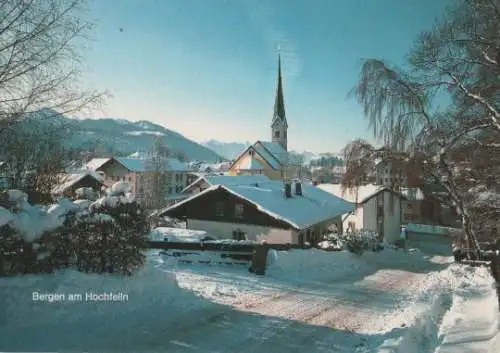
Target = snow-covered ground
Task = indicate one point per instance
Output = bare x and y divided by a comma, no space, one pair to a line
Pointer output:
309,301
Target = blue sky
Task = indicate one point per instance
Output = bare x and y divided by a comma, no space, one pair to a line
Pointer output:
207,68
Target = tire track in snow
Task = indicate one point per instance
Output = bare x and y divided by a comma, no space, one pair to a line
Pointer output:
351,318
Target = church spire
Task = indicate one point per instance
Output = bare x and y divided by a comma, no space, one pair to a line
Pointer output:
279,124
279,103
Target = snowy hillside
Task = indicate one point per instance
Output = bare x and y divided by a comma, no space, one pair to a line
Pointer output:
123,136
229,150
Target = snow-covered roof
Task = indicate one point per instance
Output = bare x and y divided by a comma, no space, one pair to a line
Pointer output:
278,152
139,164
96,163
228,180
414,194
144,164
363,193
273,161
313,207
71,179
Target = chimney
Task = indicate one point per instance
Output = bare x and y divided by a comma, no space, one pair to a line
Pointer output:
298,188
288,190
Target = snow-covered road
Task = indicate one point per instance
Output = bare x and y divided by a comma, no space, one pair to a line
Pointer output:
350,313
324,321
310,301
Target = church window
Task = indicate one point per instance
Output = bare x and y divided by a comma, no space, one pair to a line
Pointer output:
250,152
284,133
277,134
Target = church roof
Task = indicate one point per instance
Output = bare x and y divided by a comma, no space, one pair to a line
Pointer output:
273,151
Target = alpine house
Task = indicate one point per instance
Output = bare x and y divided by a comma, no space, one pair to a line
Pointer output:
265,210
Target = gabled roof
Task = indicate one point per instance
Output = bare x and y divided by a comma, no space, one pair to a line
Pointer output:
278,153
139,164
144,164
272,162
300,212
71,179
228,180
97,163
359,196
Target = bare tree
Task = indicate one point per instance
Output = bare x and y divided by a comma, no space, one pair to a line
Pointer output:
34,154
156,183
461,54
39,58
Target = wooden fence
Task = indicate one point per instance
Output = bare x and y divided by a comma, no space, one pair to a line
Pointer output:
255,254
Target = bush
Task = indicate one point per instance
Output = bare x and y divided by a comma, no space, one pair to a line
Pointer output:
112,235
106,236
361,241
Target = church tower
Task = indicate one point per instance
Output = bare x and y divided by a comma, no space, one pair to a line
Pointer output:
279,126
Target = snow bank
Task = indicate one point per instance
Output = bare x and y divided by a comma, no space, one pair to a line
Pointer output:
35,310
458,312
420,336
473,322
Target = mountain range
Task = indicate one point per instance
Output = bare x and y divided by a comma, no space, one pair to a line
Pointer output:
231,150
123,137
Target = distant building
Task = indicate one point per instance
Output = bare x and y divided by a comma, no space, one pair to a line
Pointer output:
270,158
137,173
261,210
377,209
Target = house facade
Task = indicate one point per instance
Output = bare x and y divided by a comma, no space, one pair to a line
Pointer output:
377,209
262,211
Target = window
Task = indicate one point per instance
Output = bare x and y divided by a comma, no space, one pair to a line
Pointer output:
123,178
238,210
351,227
170,190
277,134
219,209
130,179
250,152
239,235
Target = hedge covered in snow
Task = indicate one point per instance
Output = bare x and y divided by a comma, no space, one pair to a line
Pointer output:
93,235
356,242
